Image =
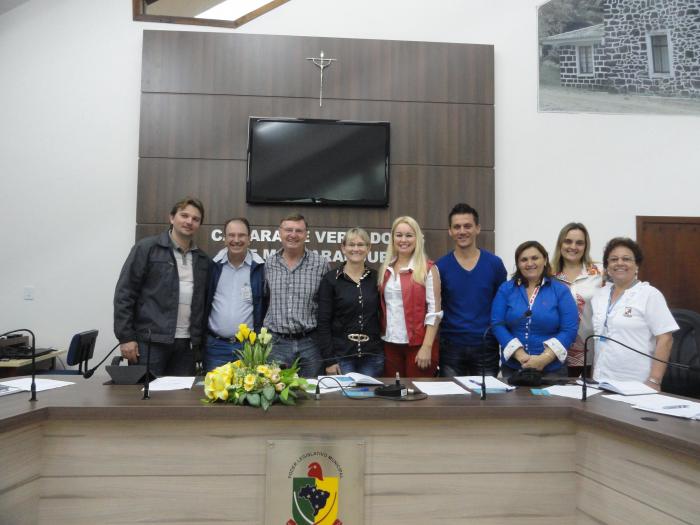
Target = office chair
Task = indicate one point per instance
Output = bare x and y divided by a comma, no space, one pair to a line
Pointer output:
685,350
80,351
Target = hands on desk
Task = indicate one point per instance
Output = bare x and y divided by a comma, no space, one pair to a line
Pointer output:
130,351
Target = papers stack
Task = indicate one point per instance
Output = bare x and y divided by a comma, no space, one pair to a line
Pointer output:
626,388
440,388
670,406
41,384
572,391
165,383
493,385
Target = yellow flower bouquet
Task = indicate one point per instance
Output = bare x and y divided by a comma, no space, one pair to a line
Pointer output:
252,379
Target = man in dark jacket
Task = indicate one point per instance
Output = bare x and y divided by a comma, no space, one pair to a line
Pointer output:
235,294
160,295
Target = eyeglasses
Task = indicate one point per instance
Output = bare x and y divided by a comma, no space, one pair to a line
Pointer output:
615,260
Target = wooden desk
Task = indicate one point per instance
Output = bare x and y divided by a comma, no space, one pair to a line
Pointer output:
99,454
18,367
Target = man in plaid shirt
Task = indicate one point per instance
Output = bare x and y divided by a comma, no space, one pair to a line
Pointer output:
292,276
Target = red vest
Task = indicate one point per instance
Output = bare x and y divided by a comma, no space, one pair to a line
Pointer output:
414,305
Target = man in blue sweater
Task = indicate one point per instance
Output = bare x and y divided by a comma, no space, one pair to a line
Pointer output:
470,278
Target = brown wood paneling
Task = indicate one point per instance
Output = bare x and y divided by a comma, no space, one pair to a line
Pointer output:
216,127
199,90
415,190
671,247
264,65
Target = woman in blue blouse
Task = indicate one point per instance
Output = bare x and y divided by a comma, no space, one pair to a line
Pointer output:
534,317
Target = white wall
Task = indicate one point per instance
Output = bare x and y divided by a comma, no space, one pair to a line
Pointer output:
69,143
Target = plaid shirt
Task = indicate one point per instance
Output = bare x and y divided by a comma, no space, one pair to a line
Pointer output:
293,293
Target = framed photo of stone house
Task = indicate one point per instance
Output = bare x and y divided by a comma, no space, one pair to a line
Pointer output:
619,56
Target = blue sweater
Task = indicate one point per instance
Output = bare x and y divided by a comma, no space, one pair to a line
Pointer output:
554,315
467,296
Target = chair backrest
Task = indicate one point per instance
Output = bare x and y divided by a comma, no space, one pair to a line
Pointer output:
81,348
686,350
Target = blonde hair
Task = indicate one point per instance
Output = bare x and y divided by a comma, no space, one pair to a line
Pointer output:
557,262
420,259
356,232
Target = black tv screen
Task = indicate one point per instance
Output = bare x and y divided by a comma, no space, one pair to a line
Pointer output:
322,162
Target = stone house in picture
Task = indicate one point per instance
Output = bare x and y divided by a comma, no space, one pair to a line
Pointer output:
643,46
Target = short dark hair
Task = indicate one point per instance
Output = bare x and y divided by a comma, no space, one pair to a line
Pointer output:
238,219
517,276
188,201
462,208
295,217
627,243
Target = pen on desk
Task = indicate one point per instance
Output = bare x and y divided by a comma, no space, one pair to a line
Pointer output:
671,407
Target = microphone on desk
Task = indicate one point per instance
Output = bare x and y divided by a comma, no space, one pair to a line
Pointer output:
33,385
89,373
682,366
526,315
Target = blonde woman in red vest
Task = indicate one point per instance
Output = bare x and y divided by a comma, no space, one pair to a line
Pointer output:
409,286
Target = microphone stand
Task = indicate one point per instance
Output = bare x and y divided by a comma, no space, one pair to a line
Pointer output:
33,386
147,381
88,373
692,368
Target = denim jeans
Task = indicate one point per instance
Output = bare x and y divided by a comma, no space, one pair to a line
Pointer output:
370,365
218,352
176,359
286,350
461,360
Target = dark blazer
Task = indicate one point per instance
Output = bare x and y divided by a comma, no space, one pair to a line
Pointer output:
147,293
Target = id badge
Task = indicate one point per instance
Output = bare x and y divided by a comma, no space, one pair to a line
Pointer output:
247,293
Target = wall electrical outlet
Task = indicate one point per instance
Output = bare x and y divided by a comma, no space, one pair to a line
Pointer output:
28,293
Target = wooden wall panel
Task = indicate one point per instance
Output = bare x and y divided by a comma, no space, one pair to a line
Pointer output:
275,66
216,126
415,190
199,90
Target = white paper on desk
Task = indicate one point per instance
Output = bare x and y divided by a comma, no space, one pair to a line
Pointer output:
474,383
571,391
41,384
362,379
331,381
677,408
166,383
626,388
311,388
644,399
440,388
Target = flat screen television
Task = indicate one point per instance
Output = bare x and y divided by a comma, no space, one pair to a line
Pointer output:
317,162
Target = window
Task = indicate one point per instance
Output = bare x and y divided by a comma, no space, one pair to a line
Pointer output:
585,59
660,54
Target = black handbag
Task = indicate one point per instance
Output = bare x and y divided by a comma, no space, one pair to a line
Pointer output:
526,377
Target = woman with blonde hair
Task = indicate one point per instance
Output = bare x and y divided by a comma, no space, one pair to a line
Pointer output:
409,288
573,266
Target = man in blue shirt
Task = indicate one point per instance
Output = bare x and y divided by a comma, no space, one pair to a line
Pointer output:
470,278
235,294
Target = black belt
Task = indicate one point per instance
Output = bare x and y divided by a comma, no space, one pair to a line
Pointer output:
229,340
298,335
